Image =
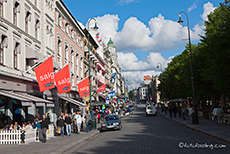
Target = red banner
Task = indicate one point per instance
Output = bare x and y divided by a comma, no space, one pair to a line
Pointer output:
45,75
83,87
101,88
62,80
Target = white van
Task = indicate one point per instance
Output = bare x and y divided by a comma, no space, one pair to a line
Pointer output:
151,110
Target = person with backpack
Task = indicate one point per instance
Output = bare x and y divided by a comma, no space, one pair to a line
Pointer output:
88,121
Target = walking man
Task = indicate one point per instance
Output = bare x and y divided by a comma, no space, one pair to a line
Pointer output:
44,125
88,120
68,124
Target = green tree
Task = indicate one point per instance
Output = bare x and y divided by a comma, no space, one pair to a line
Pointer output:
131,95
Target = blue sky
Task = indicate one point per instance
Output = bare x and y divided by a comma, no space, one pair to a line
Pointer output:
144,32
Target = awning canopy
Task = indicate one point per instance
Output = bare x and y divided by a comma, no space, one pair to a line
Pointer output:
24,97
24,101
71,100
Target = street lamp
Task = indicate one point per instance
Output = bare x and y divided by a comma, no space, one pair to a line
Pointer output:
195,119
95,27
161,78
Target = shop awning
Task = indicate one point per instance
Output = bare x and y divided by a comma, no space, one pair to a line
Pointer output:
24,101
74,101
37,99
24,97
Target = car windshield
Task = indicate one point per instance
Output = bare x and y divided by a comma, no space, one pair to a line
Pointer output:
150,107
111,118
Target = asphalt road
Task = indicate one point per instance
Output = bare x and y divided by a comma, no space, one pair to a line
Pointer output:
153,135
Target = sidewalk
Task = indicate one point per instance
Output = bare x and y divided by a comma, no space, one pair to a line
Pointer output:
56,145
205,126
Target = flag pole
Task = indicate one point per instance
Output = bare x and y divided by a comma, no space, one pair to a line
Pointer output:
35,65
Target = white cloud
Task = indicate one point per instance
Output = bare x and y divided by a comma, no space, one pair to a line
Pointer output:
135,70
127,1
192,7
159,35
208,8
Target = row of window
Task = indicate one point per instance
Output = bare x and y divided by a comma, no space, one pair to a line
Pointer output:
62,23
16,50
16,10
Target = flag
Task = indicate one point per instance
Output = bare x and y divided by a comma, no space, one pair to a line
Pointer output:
147,77
100,41
114,75
62,80
111,94
83,87
97,35
45,75
101,88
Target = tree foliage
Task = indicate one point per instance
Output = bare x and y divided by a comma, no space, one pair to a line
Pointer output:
211,61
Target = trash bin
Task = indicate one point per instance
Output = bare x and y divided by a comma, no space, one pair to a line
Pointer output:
94,124
195,118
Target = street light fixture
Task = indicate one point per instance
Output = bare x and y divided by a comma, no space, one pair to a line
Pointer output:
95,28
161,78
195,119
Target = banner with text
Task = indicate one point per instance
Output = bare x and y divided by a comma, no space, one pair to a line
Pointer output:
101,88
62,80
45,75
83,87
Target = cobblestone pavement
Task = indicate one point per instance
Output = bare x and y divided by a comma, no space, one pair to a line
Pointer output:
153,135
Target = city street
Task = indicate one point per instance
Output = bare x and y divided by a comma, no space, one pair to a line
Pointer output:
141,134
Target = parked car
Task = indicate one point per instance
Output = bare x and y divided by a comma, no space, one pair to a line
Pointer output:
111,122
151,110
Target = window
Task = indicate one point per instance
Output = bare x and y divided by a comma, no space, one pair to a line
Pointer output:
35,3
72,33
16,9
66,52
37,25
59,20
1,54
67,28
1,8
28,18
77,39
72,56
59,46
16,51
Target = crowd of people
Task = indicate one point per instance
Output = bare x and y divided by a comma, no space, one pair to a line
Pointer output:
186,110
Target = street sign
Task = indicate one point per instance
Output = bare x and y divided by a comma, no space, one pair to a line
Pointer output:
107,100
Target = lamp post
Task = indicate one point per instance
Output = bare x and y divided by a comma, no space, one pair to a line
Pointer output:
95,27
161,78
195,119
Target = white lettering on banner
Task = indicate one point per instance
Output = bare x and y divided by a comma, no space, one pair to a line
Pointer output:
48,75
64,81
84,88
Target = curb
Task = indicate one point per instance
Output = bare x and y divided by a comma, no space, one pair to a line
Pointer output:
72,145
197,130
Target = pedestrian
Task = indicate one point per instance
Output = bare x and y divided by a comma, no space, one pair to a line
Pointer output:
82,122
78,122
60,126
98,117
184,112
88,121
219,115
68,124
44,125
16,126
179,110
174,110
214,113
170,111
190,111
74,122
37,126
